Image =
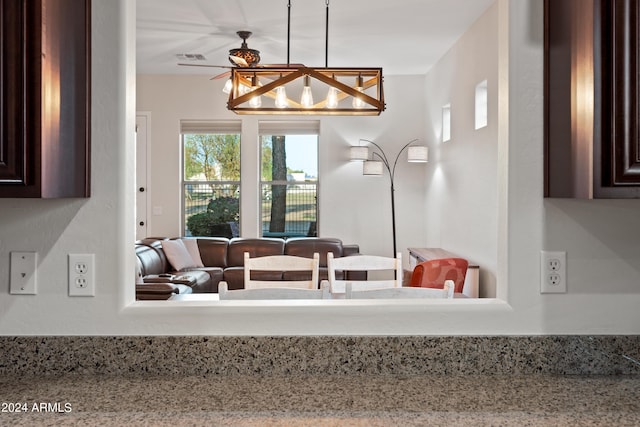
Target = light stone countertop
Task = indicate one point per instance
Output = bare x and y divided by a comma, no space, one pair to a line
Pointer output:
320,381
353,400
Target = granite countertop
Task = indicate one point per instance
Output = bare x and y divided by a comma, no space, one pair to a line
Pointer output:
320,381
352,400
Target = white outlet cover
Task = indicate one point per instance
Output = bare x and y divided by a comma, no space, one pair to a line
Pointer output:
88,278
549,275
23,273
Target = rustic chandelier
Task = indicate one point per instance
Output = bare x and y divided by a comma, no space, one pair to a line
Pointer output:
291,89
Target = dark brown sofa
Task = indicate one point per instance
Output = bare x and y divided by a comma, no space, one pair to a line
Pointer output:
223,259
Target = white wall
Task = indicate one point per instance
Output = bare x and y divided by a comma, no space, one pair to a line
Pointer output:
461,211
599,236
352,207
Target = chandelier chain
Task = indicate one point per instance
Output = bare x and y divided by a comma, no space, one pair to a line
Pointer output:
288,31
326,38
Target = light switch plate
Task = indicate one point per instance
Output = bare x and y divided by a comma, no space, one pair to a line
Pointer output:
23,273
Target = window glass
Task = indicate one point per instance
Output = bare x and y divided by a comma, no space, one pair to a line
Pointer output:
289,184
211,184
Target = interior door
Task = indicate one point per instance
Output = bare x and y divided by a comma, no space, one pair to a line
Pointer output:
142,122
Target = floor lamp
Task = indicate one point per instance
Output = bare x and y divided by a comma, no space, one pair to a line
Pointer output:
371,166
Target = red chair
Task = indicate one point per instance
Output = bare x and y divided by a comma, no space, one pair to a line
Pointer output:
433,273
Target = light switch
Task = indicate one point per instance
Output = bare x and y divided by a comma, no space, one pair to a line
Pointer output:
23,273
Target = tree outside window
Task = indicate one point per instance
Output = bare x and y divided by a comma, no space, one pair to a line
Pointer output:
211,184
289,185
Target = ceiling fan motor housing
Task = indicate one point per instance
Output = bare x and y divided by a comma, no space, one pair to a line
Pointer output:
251,56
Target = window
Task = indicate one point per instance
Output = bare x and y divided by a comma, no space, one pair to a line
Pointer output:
446,123
211,178
481,105
289,179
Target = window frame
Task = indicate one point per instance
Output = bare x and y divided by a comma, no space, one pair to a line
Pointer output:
297,128
190,127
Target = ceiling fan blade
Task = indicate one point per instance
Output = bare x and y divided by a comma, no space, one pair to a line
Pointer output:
221,75
207,65
280,65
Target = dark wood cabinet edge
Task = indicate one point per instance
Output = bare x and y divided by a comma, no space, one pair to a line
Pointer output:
604,184
36,186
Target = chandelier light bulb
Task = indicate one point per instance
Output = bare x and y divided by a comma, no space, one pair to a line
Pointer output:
256,101
281,97
357,102
227,86
307,97
332,97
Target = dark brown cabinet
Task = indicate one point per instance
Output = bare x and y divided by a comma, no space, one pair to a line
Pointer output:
45,98
592,98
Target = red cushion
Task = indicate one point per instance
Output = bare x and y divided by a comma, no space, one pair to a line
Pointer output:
433,273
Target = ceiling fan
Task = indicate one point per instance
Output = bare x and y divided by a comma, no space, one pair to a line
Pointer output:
242,57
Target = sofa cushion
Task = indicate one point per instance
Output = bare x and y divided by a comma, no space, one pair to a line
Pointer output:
307,246
150,260
178,255
255,247
194,251
156,245
213,251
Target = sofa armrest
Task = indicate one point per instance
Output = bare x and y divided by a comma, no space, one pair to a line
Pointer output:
155,291
348,250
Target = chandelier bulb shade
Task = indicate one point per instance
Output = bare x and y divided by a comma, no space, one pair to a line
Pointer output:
358,153
418,154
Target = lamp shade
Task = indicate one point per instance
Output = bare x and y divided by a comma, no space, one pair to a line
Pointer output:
372,167
418,154
359,153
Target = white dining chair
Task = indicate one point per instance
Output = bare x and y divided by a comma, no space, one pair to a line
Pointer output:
401,293
382,272
281,263
272,293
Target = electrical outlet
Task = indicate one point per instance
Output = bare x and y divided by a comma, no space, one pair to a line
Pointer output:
81,275
23,273
553,272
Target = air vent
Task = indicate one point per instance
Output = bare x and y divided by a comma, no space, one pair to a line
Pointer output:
191,57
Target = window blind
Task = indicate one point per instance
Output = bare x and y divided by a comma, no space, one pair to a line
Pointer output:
210,126
289,127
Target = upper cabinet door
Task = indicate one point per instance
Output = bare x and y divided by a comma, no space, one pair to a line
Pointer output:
617,43
20,89
45,80
592,98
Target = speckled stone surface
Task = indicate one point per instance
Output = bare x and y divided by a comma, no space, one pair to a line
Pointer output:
321,355
298,400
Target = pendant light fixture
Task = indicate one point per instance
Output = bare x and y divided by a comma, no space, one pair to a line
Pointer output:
349,91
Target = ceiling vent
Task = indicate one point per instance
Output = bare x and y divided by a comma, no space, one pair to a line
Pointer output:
191,57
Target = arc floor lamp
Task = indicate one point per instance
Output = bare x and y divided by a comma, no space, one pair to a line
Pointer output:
371,166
